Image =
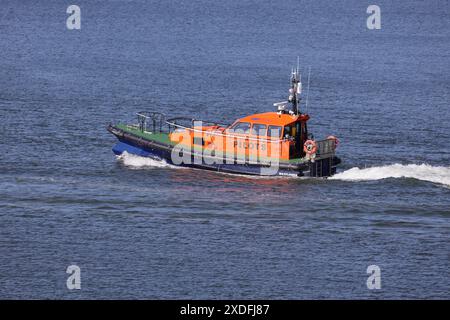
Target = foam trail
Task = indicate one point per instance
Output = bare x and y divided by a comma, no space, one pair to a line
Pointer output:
132,160
422,172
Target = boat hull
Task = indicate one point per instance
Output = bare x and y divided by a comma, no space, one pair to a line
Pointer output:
159,151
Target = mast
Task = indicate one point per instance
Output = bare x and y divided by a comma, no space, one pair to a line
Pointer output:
295,90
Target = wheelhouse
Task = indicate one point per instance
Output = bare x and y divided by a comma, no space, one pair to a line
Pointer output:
288,130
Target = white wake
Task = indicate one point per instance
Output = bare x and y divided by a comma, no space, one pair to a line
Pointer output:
422,172
134,161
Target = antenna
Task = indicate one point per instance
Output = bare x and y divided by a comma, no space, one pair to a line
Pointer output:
307,90
296,88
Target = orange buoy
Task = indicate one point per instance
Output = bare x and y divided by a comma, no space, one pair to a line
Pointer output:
310,147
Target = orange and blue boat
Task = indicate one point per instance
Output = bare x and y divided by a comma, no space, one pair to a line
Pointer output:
271,143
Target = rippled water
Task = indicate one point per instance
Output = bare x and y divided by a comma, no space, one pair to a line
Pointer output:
142,229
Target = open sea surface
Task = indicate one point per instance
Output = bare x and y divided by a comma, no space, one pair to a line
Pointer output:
139,228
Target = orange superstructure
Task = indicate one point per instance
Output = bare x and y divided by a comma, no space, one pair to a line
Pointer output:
266,135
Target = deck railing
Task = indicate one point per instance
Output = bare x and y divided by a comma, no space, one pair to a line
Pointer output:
152,121
325,148
189,123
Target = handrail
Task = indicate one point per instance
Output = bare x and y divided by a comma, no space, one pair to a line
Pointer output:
326,147
193,119
143,113
157,119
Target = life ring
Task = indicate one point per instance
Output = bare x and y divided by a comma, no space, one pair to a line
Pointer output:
336,140
310,147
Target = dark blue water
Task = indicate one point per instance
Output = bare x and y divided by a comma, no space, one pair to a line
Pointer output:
143,230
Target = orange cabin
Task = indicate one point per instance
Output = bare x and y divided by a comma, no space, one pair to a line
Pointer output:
277,135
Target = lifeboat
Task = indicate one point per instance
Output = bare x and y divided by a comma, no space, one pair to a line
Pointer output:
271,143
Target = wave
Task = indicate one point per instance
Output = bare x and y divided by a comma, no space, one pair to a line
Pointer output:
424,172
134,161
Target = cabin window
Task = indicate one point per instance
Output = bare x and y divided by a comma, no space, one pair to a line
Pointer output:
241,127
258,129
287,131
274,132
290,131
